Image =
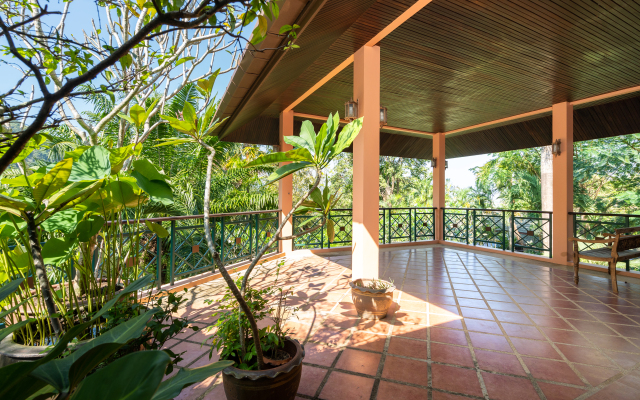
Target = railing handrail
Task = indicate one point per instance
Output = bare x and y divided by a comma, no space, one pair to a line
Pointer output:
496,209
604,214
199,216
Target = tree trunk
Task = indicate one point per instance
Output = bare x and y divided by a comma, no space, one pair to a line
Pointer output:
41,274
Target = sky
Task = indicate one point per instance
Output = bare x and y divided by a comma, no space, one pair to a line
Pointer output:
83,11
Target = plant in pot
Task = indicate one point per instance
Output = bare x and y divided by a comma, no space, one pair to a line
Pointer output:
74,374
253,376
65,205
372,297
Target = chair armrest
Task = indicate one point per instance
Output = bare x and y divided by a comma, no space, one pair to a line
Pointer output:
591,241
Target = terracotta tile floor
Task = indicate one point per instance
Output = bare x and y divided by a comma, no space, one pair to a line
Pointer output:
465,324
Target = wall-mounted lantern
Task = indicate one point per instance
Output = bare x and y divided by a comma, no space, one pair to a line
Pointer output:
555,148
350,110
383,116
434,163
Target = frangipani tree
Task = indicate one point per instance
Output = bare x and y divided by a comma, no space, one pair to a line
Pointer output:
310,150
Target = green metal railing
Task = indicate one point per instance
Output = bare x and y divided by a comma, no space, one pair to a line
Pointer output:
593,225
410,224
515,230
237,237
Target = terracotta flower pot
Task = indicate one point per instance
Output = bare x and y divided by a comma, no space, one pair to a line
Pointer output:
279,383
371,303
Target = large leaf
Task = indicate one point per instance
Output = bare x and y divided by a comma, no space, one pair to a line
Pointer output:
92,165
13,203
135,376
32,145
171,387
286,170
56,251
22,181
148,170
292,155
56,372
347,136
119,155
125,192
89,227
308,134
138,114
159,190
73,194
190,116
157,229
54,180
64,221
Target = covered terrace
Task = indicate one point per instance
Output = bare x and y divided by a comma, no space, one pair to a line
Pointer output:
486,306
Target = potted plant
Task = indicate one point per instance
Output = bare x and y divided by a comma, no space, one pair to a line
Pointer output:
254,376
372,297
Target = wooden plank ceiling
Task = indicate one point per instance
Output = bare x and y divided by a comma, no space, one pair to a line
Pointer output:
459,63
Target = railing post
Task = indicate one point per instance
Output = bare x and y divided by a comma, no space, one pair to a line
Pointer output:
551,233
466,225
172,263
222,239
444,223
334,232
513,231
411,225
158,261
626,225
250,234
503,229
257,233
473,217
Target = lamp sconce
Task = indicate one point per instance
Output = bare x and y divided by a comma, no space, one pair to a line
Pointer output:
351,110
555,147
434,163
383,116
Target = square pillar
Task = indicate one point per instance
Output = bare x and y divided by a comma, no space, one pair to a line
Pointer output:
366,164
439,183
562,114
285,185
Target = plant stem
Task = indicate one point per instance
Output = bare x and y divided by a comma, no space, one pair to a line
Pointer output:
216,258
41,273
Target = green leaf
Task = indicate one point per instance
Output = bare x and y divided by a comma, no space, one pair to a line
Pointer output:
21,181
57,372
89,227
54,180
126,61
32,145
159,190
119,155
63,221
56,251
284,29
183,60
127,118
347,136
286,170
7,289
12,328
138,114
331,233
186,376
125,192
157,229
92,165
208,83
308,134
292,155
189,114
73,194
137,375
148,170
10,202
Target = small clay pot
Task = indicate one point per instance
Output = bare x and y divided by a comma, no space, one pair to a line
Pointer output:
279,383
371,303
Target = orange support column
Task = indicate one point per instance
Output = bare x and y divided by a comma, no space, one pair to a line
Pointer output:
285,188
366,164
563,183
439,184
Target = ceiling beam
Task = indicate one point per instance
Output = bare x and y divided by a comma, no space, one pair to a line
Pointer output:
410,12
498,121
606,96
